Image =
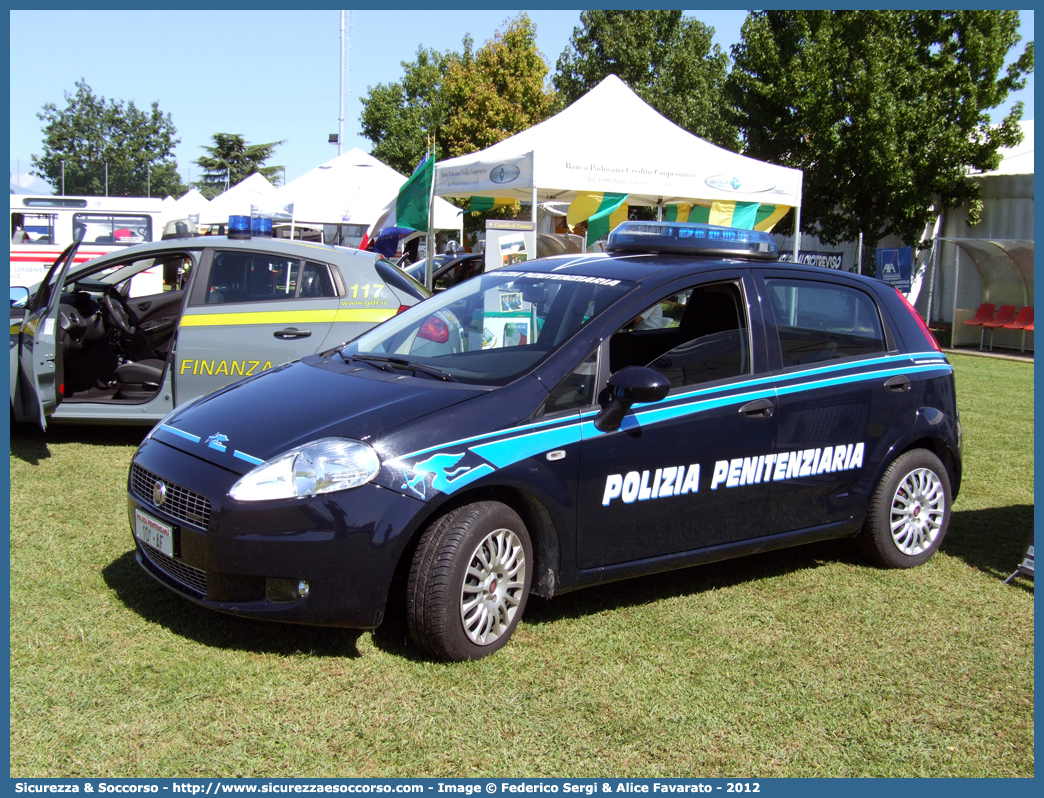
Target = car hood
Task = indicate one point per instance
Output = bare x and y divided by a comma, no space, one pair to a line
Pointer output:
249,422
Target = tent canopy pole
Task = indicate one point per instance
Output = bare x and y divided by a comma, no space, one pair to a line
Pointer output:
797,232
430,248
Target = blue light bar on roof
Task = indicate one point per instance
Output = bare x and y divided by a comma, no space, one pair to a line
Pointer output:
239,227
690,238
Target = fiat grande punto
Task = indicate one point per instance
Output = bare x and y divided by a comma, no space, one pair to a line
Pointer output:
124,338
680,399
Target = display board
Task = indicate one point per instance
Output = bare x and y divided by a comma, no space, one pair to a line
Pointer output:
508,243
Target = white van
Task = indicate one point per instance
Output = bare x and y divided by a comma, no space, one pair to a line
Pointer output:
41,227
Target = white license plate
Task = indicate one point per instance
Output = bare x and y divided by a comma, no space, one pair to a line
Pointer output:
158,535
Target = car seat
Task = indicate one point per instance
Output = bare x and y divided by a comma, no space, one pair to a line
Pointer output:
139,379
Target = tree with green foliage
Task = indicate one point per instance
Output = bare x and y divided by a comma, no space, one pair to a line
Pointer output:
462,102
459,103
92,136
668,59
402,118
499,92
232,159
887,112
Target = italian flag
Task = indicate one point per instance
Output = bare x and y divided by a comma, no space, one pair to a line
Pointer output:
729,213
602,210
410,207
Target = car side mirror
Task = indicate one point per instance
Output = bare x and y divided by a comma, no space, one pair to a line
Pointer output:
19,296
629,386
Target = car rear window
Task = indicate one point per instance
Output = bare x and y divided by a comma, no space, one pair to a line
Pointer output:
824,321
400,281
251,277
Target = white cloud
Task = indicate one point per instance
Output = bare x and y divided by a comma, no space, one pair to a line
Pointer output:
30,184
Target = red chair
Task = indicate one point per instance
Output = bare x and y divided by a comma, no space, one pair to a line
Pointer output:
985,313
1005,316
1024,322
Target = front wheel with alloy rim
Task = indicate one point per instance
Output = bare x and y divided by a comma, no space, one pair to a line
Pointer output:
909,513
469,581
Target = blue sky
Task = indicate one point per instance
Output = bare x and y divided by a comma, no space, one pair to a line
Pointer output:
267,75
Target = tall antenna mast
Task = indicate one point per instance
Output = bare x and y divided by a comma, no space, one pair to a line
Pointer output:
340,95
346,69
348,62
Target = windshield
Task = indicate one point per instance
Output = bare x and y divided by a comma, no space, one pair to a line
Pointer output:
492,329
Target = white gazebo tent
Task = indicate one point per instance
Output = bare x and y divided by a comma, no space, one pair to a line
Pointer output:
253,190
610,140
352,189
190,203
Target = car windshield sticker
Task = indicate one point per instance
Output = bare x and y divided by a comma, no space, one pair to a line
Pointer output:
569,278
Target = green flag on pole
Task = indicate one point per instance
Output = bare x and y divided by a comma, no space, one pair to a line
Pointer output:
411,208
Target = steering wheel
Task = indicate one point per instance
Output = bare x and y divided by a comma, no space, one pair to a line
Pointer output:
117,311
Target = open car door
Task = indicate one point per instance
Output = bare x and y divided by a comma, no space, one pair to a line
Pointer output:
39,361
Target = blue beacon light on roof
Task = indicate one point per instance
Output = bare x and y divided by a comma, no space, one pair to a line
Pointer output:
690,238
239,227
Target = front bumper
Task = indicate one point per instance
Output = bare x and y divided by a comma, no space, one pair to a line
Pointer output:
346,544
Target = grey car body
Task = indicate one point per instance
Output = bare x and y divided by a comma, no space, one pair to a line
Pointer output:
126,337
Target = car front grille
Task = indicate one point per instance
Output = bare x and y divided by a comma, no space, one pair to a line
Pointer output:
185,575
181,503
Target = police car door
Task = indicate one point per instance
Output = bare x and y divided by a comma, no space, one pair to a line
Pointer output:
682,474
39,361
248,312
838,417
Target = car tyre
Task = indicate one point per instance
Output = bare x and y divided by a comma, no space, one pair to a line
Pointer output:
469,582
909,513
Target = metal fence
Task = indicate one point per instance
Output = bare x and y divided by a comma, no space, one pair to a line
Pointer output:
941,273
949,280
850,251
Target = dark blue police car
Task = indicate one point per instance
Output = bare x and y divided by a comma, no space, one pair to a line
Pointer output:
681,399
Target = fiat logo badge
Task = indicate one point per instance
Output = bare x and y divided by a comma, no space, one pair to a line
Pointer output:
159,493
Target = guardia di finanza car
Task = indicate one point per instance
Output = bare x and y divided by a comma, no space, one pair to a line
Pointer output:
124,338
681,399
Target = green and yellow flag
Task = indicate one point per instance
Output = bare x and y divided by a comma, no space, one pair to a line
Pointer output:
729,213
678,213
481,204
602,210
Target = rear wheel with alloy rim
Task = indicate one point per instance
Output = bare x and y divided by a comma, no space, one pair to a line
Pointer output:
469,581
909,513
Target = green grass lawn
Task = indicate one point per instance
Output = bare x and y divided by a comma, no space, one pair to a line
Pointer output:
806,662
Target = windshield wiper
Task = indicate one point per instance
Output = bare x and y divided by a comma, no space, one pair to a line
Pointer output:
391,363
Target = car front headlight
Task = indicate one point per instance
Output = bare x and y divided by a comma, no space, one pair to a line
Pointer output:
322,466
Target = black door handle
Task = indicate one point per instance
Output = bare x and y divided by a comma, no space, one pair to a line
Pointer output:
759,408
290,333
898,384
